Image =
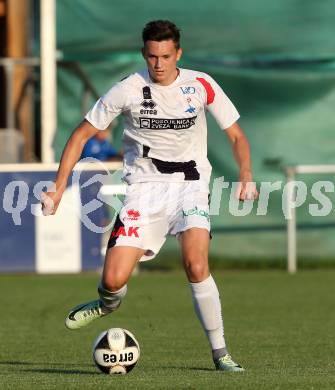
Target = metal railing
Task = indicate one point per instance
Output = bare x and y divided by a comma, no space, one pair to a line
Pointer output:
291,172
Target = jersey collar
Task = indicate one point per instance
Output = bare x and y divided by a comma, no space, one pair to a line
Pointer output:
155,85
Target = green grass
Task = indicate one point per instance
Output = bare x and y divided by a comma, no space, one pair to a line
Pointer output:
168,261
279,327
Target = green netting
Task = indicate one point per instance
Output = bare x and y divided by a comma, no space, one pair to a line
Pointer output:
287,27
276,62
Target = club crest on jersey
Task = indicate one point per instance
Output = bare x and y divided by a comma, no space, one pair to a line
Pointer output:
188,90
146,92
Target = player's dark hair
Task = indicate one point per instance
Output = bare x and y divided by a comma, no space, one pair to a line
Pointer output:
161,30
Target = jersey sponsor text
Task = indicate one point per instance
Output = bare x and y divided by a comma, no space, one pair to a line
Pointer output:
169,123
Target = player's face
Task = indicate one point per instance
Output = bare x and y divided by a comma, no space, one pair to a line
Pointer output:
161,58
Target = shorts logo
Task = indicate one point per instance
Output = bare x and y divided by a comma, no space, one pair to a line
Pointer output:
188,90
196,211
122,231
133,215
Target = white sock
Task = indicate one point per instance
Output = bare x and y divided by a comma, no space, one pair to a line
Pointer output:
207,306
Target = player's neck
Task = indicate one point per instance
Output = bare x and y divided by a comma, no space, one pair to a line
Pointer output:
167,82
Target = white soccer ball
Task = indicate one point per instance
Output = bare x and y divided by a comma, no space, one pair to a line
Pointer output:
116,351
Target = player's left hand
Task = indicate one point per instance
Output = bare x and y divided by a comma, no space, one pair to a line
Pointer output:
246,189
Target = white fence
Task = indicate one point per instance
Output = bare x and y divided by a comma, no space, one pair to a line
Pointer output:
291,172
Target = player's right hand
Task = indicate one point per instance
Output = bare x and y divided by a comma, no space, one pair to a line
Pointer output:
50,200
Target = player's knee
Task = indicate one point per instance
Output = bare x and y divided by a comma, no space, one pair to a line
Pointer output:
114,281
196,269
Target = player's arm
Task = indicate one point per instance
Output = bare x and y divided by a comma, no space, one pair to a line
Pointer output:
241,150
70,156
226,116
104,111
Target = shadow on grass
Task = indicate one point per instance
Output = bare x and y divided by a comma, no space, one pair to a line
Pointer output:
60,371
191,368
80,371
50,370
18,363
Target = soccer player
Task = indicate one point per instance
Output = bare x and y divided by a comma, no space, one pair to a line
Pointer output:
167,172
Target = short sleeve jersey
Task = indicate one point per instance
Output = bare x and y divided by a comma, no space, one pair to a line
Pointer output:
165,129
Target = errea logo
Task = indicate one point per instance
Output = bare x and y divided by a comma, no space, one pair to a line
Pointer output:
149,106
133,215
148,103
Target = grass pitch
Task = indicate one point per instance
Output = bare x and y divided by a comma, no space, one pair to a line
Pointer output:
279,327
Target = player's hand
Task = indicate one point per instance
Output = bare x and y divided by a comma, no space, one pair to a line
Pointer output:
246,189
50,200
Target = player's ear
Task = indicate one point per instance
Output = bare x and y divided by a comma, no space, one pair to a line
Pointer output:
179,53
143,52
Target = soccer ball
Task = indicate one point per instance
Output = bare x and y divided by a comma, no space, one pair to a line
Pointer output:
116,351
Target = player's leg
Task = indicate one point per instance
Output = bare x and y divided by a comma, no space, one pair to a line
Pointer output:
140,224
119,264
205,295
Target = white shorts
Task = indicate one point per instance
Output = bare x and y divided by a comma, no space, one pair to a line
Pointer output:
153,210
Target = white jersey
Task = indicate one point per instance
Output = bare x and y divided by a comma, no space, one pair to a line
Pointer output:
165,129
